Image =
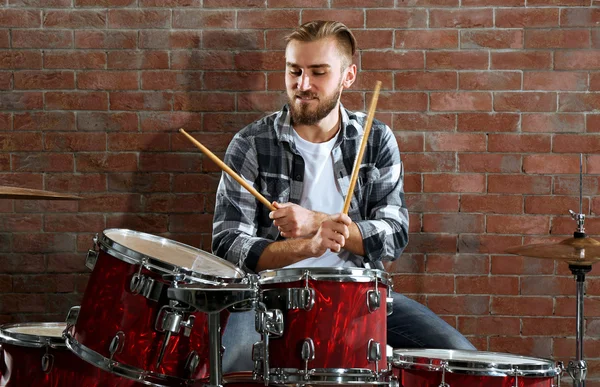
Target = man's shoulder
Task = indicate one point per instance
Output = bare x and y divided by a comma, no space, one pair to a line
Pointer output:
264,126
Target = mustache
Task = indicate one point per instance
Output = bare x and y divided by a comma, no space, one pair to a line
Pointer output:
306,95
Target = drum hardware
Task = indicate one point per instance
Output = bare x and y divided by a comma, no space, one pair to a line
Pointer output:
147,286
192,362
47,360
92,254
293,298
374,352
515,372
307,353
72,316
116,344
443,366
389,304
374,298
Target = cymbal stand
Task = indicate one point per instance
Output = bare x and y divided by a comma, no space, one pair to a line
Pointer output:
578,369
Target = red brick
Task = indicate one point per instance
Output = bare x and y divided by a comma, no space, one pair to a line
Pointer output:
107,80
21,101
106,39
170,203
526,17
149,223
462,305
592,123
19,303
138,19
418,283
21,223
392,60
4,39
575,143
161,39
43,162
552,123
408,101
411,263
20,59
593,164
107,122
43,242
488,122
518,224
432,243
594,82
519,184
571,102
138,142
518,143
216,142
548,38
227,122
502,264
547,286
353,18
551,204
198,18
548,326
366,81
489,326
44,80
74,142
457,60
521,306
139,182
564,347
454,183
484,80
234,3
425,3
550,80
528,102
106,162
524,60
432,202
21,263
369,39
396,18
74,19
242,81
410,142
47,206
492,204
463,264
104,3
24,180
77,101
486,162
412,182
170,162
190,223
202,60
170,121
582,17
577,60
275,18
203,101
550,164
66,182
462,18
232,40
487,285
429,162
45,121
42,39
141,101
74,60
73,222
171,80
461,101
195,183
496,39
419,80
426,39
453,223
540,347
595,38
11,18
66,263
424,121
5,121
136,60
171,3
106,202
564,185
533,3
6,80
458,142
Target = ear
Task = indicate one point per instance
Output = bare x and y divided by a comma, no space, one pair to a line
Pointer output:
349,76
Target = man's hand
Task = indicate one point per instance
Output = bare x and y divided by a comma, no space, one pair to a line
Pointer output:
294,221
332,234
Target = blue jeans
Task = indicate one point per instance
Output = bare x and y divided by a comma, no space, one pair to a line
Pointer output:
411,325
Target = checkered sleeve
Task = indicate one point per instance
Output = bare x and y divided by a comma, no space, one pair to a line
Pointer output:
385,232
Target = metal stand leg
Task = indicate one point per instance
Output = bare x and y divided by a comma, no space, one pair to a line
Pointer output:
214,334
578,369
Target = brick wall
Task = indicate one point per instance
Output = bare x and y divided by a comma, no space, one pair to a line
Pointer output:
491,102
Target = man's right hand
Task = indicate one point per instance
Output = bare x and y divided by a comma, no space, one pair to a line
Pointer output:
332,234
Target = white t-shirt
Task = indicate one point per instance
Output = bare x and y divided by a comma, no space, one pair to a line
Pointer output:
320,192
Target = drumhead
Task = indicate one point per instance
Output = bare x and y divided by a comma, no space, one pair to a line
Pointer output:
166,255
339,274
474,362
33,334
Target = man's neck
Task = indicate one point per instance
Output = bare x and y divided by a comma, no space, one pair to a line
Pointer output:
323,130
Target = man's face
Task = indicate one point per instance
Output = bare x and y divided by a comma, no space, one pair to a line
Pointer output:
314,79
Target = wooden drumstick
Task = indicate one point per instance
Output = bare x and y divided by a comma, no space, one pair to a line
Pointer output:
229,171
363,145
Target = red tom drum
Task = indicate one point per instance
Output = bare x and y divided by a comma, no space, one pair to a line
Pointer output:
126,324
331,323
432,367
35,354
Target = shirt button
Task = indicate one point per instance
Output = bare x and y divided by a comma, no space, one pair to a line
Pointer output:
298,177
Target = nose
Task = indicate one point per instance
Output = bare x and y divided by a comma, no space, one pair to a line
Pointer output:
303,82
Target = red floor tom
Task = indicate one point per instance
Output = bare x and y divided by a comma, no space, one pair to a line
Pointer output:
322,325
433,367
127,325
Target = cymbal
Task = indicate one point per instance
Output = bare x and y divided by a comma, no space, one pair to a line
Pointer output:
575,251
32,194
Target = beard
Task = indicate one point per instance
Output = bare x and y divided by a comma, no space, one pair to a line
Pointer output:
302,114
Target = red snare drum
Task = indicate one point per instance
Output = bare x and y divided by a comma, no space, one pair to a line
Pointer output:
334,324
35,354
127,325
431,367
241,379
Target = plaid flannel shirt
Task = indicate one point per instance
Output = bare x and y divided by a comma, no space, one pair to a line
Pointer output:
265,155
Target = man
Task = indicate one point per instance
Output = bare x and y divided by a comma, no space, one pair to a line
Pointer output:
301,159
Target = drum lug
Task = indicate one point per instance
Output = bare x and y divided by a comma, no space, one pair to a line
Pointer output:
308,353
374,300
374,351
192,363
258,350
47,362
269,322
72,315
560,367
389,301
116,344
301,298
443,367
92,254
146,286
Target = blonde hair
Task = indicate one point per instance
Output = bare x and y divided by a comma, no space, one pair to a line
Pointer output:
320,29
